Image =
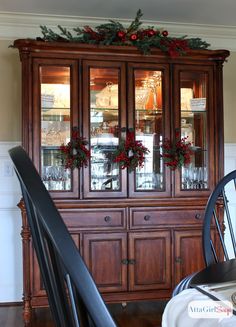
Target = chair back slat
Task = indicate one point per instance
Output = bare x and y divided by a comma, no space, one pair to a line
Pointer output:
220,235
72,301
72,293
220,210
214,251
229,221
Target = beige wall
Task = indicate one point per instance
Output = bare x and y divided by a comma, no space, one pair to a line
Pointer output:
230,99
10,95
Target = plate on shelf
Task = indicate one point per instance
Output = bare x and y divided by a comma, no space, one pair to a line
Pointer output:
195,148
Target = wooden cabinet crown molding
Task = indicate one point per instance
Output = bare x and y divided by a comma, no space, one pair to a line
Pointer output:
33,46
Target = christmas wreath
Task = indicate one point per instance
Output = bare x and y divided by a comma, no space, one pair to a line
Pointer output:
178,153
114,33
130,153
74,154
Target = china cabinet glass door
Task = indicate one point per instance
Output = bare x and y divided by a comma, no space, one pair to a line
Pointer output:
150,120
104,117
55,101
195,109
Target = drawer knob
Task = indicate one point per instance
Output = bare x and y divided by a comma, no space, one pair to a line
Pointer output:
125,261
107,218
147,217
178,260
132,261
198,216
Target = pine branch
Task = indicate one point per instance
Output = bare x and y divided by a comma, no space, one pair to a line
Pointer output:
197,43
136,23
48,34
115,33
65,32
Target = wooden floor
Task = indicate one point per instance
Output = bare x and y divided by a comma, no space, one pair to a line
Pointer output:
145,314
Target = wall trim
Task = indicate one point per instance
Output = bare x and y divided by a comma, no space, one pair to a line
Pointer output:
230,157
9,189
11,304
230,150
26,25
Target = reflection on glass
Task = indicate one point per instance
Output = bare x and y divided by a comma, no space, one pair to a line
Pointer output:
193,105
55,125
149,127
104,122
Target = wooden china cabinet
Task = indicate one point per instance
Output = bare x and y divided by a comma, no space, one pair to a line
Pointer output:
139,232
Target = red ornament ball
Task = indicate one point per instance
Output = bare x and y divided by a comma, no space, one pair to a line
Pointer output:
121,34
151,32
133,37
165,33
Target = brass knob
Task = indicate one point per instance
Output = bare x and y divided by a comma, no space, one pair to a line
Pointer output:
178,260
107,219
125,261
198,216
132,261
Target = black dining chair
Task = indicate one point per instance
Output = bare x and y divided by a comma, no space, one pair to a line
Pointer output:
73,297
221,203
219,215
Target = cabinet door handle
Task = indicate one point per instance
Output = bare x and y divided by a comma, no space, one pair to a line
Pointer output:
198,216
132,261
147,217
107,218
125,261
178,260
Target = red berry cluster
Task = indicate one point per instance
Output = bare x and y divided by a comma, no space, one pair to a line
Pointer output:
75,154
175,46
178,153
130,153
139,35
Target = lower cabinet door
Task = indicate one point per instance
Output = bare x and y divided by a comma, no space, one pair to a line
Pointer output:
149,260
188,252
106,257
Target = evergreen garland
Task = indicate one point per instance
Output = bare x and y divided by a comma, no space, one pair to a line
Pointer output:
114,33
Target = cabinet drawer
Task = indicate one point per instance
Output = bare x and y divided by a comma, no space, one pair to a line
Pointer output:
148,218
94,218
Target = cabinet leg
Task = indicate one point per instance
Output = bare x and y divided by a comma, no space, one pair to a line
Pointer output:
27,313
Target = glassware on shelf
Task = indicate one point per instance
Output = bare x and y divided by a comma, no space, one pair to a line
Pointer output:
108,96
148,181
104,175
194,177
151,84
141,95
56,178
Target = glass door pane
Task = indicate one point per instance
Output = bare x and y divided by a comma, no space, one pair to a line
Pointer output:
193,121
149,127
104,128
55,125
